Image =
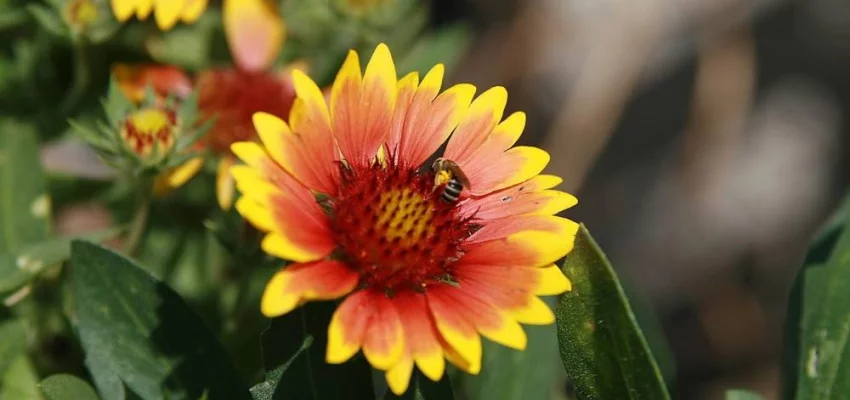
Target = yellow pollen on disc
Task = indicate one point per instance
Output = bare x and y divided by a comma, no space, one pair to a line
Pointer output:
147,128
149,121
405,216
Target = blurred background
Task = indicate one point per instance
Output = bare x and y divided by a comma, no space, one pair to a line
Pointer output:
706,141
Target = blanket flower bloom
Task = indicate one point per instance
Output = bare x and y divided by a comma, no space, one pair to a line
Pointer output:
339,190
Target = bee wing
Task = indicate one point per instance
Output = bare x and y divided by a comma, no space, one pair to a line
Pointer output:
458,173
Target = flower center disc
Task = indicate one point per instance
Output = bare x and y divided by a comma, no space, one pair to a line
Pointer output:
394,229
147,127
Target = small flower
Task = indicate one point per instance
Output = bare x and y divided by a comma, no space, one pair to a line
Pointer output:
341,191
149,132
81,14
166,13
230,97
165,80
154,137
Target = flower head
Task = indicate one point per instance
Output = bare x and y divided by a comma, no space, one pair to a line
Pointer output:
344,191
152,137
166,13
229,97
149,132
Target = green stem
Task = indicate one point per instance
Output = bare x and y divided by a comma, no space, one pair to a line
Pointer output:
138,224
81,79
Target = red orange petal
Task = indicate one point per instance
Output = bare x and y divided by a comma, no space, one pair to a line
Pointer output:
348,326
421,335
528,248
164,79
254,31
308,155
369,121
319,280
504,227
345,106
513,289
483,115
498,171
423,123
457,330
366,319
384,343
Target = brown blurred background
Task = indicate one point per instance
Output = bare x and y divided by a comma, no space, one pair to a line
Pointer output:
706,141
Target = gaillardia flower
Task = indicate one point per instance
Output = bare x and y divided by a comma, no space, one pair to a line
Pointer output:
344,191
231,97
166,12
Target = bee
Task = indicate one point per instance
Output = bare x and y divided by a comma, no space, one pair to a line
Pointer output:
448,173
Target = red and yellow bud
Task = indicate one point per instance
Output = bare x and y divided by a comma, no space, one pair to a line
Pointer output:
149,132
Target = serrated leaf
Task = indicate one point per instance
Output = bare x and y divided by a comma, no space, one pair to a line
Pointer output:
20,381
164,346
294,348
13,342
24,203
66,387
422,388
602,347
738,394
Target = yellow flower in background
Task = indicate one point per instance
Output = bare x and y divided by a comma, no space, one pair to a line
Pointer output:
166,12
254,31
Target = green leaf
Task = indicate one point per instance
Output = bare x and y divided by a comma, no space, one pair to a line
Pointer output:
422,388
602,348
294,354
825,324
20,381
13,341
164,348
738,394
24,203
107,382
49,20
508,374
67,387
807,284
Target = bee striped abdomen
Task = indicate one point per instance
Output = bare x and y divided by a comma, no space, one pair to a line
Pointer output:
451,193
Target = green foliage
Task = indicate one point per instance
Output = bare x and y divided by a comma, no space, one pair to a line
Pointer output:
20,381
24,202
602,347
422,388
67,387
294,354
817,327
165,349
12,342
508,374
